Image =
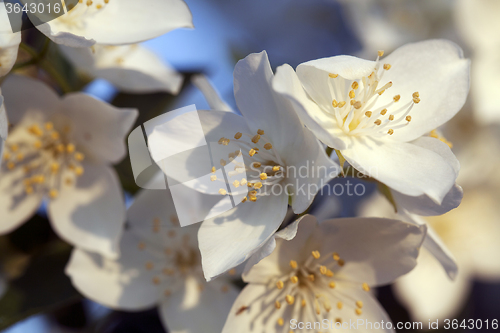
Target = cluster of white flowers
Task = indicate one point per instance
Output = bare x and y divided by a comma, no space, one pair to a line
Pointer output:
381,118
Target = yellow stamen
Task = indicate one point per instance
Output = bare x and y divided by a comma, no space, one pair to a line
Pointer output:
316,254
268,146
238,135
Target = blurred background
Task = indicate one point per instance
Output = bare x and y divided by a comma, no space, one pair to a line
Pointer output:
38,296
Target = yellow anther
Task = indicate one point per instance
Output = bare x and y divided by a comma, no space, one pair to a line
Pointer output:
415,94
391,117
53,193
79,171
223,162
341,104
54,167
383,112
263,176
252,152
244,199
331,285
359,312
335,103
387,67
339,305
221,140
293,264
6,156
29,189
11,165
280,284
260,132
290,299
357,105
70,148
213,178
303,303
50,126
19,157
256,164
329,273
257,185
268,146
380,53
253,199
236,183
335,256
79,157
368,114
396,98
416,100
55,135
256,138
149,265
252,193
89,2
333,76
323,269
232,272
378,122
310,277
359,304
238,136
365,286
381,92
341,262
35,130
156,280
222,191
408,118
316,254
355,85
390,131
243,181
294,279
277,305
281,322
213,169
276,168
352,94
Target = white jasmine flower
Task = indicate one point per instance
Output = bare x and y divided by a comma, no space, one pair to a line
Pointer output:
160,265
274,145
116,22
466,251
478,24
325,272
9,43
61,150
375,112
131,68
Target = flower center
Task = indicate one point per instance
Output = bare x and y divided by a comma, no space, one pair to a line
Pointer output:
173,263
45,155
355,106
76,14
262,164
314,284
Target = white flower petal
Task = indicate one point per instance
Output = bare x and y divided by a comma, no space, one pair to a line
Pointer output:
262,107
179,145
319,170
429,294
323,125
118,22
16,207
211,95
437,70
131,68
9,43
99,127
42,98
232,237
91,213
194,310
269,267
123,284
404,167
375,251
